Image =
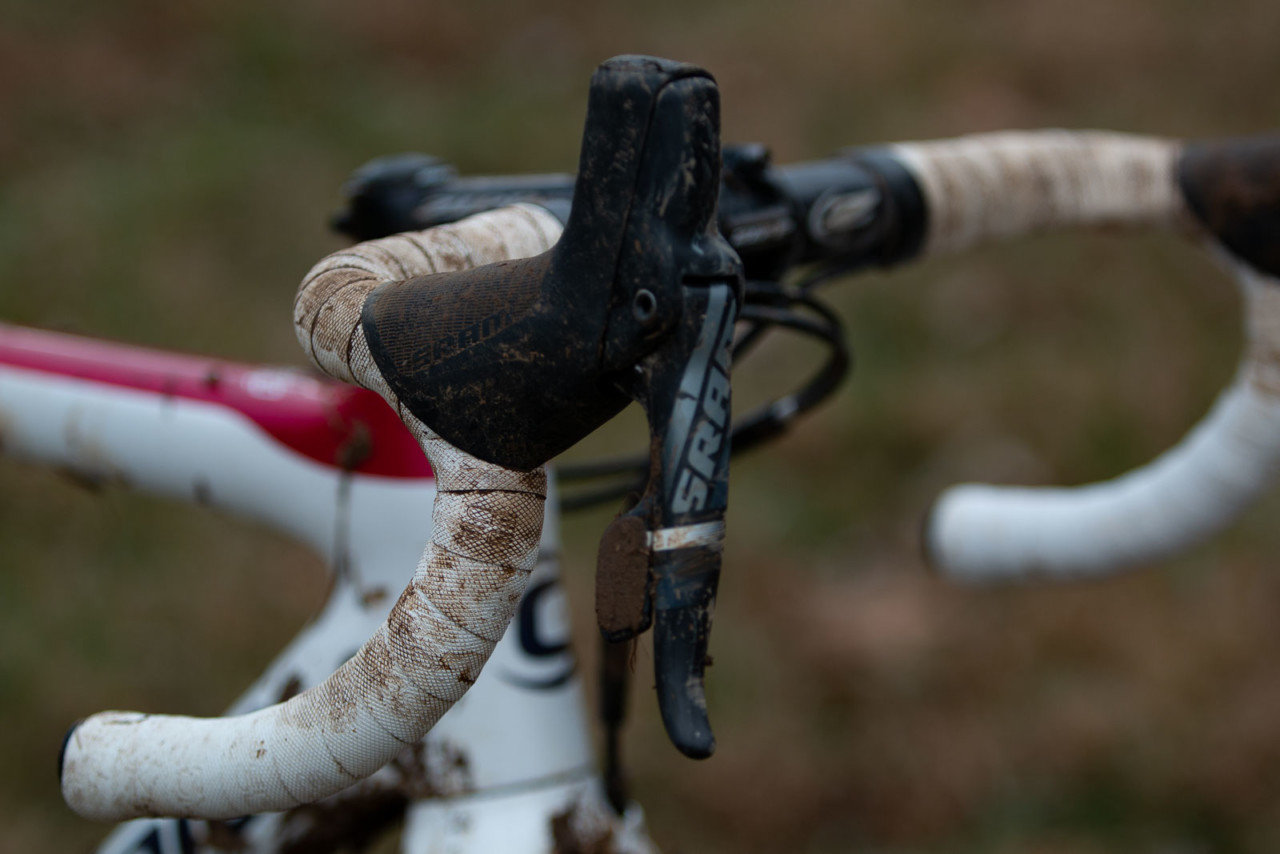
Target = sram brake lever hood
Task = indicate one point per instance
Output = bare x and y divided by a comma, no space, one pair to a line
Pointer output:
515,362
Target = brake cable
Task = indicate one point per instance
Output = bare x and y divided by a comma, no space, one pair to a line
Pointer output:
768,305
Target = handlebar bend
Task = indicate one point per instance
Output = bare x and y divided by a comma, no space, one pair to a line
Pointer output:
486,524
1225,194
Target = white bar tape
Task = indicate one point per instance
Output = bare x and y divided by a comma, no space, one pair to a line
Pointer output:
1001,185
1196,489
120,765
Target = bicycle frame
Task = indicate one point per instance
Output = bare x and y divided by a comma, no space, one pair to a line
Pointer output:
511,767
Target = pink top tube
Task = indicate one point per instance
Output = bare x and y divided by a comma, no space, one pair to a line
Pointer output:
333,423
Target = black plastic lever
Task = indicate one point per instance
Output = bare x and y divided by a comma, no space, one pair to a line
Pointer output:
684,386
691,404
515,362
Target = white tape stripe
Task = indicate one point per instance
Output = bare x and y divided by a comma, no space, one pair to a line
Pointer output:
686,536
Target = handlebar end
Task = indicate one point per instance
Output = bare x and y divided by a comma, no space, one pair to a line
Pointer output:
1233,188
66,742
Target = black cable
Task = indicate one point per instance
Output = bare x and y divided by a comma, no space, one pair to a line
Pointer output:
768,305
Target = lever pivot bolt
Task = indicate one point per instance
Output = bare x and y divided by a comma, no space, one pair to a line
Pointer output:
645,305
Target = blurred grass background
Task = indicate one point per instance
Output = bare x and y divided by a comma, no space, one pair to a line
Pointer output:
165,171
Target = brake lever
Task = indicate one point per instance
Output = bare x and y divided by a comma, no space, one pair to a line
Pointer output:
688,401
515,362
660,562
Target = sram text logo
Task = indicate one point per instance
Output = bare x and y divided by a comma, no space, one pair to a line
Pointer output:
441,348
710,418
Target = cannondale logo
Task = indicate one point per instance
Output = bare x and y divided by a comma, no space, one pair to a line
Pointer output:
539,625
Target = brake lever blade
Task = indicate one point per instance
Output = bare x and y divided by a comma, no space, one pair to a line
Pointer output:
669,341
688,395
